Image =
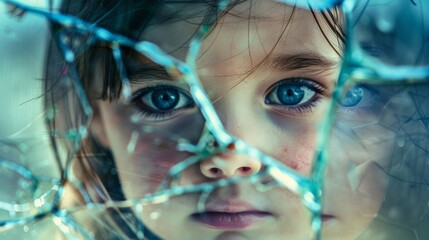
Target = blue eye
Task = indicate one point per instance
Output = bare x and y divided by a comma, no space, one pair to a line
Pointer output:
164,99
363,102
294,93
291,94
161,100
352,97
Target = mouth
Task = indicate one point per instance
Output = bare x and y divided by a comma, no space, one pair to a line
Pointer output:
228,220
237,220
230,215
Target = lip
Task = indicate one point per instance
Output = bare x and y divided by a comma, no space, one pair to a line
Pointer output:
230,221
230,215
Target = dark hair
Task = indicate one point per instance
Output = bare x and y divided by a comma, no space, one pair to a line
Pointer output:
94,165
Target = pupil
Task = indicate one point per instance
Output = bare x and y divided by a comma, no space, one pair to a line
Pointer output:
290,94
352,97
165,99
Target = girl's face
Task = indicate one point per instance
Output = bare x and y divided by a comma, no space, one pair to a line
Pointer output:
269,70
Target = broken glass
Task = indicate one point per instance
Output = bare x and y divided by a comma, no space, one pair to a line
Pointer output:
215,120
379,138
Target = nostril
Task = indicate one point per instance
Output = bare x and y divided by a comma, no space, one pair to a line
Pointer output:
223,166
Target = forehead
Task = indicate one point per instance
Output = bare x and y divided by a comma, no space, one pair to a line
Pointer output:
250,29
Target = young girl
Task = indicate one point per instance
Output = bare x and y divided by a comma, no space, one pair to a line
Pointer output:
269,70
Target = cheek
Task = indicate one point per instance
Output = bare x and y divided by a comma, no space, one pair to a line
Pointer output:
142,171
143,155
300,157
292,139
296,150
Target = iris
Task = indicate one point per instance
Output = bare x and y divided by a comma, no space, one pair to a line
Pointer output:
294,93
290,94
161,102
165,98
352,97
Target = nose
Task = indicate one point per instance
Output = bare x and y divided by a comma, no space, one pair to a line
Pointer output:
226,166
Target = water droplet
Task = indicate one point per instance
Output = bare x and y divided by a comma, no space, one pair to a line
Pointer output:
393,213
12,213
385,25
135,118
157,142
131,147
400,140
155,215
69,56
23,183
148,129
50,114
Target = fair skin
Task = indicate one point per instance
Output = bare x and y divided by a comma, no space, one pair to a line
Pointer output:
248,100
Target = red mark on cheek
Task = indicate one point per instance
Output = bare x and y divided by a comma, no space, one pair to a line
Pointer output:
300,166
295,160
290,163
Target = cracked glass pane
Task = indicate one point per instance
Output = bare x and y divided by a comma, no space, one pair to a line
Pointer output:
214,120
30,176
378,148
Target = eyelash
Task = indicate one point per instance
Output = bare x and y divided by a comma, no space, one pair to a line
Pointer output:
149,112
307,108
303,108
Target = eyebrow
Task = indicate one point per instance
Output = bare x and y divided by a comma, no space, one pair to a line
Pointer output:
310,61
148,72
143,69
